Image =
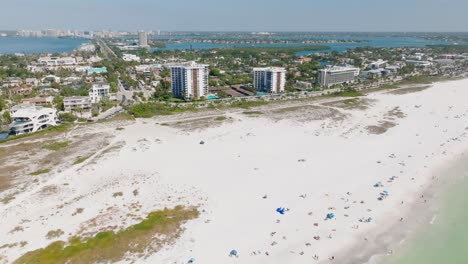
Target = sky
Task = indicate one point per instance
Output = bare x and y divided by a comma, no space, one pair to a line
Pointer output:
236,15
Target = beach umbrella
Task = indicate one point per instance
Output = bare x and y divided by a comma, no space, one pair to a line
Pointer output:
280,210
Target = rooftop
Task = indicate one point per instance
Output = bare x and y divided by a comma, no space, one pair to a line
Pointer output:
32,110
339,69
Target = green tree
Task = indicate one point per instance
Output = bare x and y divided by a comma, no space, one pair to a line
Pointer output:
215,72
67,117
222,94
407,69
68,91
165,73
58,102
212,83
55,85
2,104
6,117
162,94
165,85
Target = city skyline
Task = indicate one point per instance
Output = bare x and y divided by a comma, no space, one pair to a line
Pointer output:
241,15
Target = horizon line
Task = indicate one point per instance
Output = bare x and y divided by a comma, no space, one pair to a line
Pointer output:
247,31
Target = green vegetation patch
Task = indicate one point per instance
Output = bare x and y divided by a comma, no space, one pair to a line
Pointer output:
150,109
351,101
117,194
48,131
346,93
254,51
80,160
220,118
253,113
248,104
110,246
449,48
54,234
56,145
39,172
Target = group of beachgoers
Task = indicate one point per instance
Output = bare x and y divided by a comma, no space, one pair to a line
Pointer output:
382,195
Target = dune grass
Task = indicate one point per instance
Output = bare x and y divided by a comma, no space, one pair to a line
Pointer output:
248,104
39,172
220,118
50,131
253,113
56,145
54,234
110,246
346,93
80,160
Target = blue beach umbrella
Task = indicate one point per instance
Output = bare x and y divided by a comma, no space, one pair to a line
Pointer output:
280,210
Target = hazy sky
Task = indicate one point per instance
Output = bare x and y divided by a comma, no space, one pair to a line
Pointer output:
232,15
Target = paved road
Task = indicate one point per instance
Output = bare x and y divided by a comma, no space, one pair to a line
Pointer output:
108,52
107,114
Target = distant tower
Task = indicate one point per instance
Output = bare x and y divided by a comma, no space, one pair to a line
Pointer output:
143,39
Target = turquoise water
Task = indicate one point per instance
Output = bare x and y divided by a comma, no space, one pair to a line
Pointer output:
10,45
446,241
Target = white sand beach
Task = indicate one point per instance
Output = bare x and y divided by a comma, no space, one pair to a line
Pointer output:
311,160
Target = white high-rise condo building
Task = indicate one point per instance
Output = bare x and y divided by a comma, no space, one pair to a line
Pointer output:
143,39
99,91
337,75
189,80
270,80
32,118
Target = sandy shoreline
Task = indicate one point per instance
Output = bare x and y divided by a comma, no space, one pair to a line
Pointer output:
320,157
418,217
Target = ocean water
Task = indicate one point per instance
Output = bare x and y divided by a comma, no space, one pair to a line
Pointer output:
446,240
10,45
